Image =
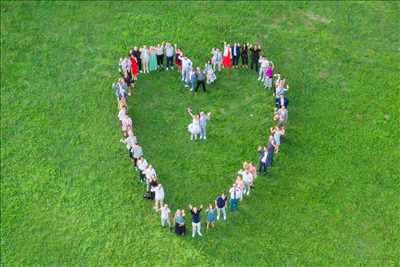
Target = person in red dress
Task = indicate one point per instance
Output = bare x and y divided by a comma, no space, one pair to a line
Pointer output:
178,61
134,67
227,56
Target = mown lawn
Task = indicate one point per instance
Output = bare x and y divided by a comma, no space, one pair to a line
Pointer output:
68,192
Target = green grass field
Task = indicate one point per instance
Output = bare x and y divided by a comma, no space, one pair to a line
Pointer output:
69,195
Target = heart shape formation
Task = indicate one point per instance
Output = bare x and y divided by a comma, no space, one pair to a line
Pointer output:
145,60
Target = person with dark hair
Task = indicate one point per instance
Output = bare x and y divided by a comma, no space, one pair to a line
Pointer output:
196,220
129,81
244,54
281,101
263,160
271,147
255,55
160,55
136,53
142,165
220,204
152,183
178,58
236,54
169,53
201,79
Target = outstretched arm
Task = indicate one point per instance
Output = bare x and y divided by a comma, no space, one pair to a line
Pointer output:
190,112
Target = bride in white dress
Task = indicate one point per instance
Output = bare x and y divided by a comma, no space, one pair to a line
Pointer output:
194,127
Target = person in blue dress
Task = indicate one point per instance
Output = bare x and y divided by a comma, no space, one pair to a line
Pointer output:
210,216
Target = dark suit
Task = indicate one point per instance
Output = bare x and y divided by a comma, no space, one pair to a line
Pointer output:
255,55
263,165
244,55
279,104
235,50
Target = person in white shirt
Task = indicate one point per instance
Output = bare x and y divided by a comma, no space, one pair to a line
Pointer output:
216,59
159,196
142,165
263,66
248,180
240,184
165,214
125,64
126,123
169,52
122,113
263,160
186,63
145,57
130,141
149,172
281,116
137,152
234,197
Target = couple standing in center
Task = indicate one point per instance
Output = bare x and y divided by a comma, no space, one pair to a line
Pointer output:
198,125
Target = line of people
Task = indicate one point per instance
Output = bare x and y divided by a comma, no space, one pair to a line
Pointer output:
277,133
138,62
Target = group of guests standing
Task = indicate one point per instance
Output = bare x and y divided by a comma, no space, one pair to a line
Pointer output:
194,77
277,133
146,59
234,54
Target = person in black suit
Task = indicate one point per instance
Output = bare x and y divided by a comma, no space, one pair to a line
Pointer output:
262,170
236,54
201,79
281,101
255,51
244,55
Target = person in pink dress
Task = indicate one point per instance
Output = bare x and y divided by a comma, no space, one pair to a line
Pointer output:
269,73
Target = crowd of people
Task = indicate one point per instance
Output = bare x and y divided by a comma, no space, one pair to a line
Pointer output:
146,59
